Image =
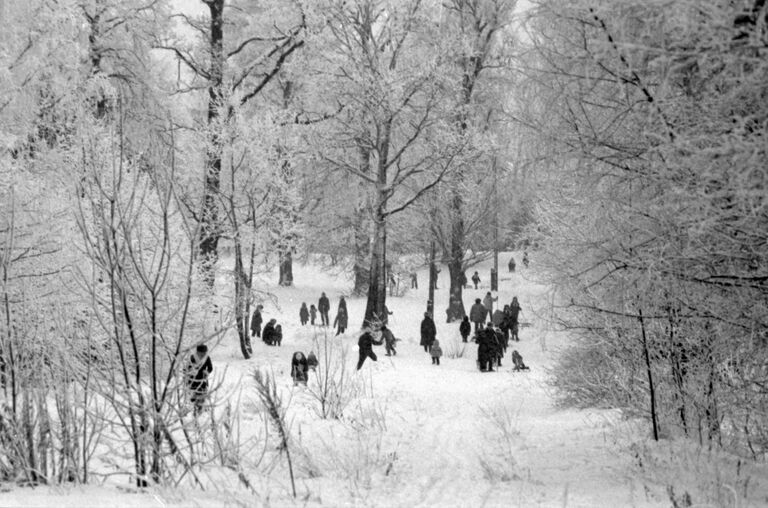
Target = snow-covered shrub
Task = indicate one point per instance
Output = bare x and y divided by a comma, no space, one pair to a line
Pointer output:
701,476
455,348
498,456
333,384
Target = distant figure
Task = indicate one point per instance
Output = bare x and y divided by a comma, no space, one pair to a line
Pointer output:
256,321
488,302
198,369
312,361
465,328
514,316
341,319
269,332
365,348
476,278
324,306
312,314
428,332
303,314
435,352
299,368
517,360
389,340
392,284
511,264
433,271
414,280
477,314
525,259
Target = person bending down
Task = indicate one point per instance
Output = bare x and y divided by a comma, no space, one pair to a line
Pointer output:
365,345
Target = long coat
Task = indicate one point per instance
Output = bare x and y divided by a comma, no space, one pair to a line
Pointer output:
341,318
303,314
428,331
323,304
477,313
488,303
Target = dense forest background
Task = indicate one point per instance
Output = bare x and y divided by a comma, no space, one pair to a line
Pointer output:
156,158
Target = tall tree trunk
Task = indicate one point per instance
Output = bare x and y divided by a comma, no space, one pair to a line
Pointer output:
285,249
210,231
377,288
455,310
242,302
432,278
362,227
649,372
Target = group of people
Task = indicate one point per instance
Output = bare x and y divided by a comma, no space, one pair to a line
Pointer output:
341,321
492,345
429,339
272,334
507,320
301,365
511,265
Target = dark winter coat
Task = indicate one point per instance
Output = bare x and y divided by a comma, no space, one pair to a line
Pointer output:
268,335
323,304
341,318
366,342
256,321
477,313
312,360
428,331
514,312
303,314
476,278
197,373
389,338
465,328
299,367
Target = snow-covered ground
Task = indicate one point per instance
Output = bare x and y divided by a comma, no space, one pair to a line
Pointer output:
420,435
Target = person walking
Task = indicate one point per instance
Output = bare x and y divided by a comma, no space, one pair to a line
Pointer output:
414,280
477,314
465,329
340,323
389,340
303,314
476,278
198,370
312,314
365,348
428,332
514,316
324,306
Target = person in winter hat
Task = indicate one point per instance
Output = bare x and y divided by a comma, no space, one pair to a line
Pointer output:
476,278
312,314
435,352
312,360
465,329
517,360
428,332
477,314
365,348
303,314
278,335
299,368
514,316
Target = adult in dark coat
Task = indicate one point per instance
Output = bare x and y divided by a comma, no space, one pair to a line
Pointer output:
428,331
324,306
269,332
486,350
198,369
303,313
256,321
477,314
511,264
465,329
340,322
365,347
299,368
476,278
414,280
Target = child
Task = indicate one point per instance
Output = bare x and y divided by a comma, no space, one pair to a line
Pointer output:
435,352
299,368
303,313
517,359
278,334
312,361
465,328
312,314
389,340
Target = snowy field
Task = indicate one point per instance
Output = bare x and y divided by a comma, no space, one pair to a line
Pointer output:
419,434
